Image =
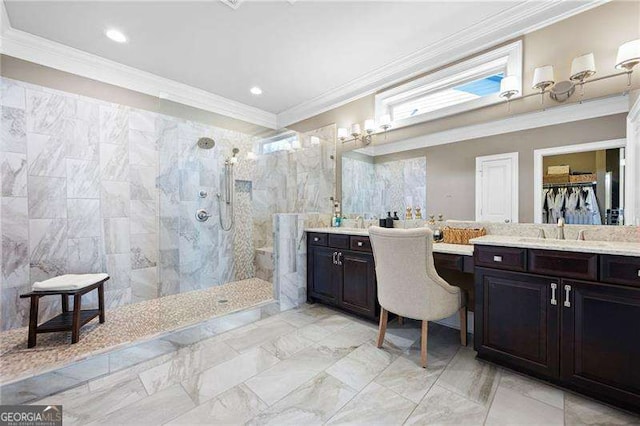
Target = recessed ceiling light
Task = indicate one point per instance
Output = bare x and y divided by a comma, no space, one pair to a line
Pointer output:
116,36
256,90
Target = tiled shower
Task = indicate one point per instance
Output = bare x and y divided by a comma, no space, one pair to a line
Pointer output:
92,186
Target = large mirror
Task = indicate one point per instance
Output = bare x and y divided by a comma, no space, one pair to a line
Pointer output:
583,183
582,186
371,188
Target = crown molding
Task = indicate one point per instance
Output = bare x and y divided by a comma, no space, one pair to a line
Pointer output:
26,46
551,116
512,23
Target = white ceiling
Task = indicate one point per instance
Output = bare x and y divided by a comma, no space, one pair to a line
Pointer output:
294,51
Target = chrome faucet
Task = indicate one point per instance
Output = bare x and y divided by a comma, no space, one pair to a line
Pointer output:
561,229
360,222
581,236
541,233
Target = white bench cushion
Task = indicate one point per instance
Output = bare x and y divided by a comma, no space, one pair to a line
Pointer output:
68,282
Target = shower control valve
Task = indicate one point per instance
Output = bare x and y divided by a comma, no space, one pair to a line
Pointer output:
202,193
202,215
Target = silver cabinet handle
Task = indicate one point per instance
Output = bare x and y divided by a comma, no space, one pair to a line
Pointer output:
360,245
638,273
497,258
567,293
316,239
339,261
335,262
554,287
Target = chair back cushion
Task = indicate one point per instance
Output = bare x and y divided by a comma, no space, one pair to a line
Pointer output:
408,284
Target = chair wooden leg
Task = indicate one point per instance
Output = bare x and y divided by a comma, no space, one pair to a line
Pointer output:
101,302
423,343
33,321
65,302
382,329
400,320
75,327
463,325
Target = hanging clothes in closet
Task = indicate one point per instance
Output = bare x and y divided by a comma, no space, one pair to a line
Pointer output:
576,204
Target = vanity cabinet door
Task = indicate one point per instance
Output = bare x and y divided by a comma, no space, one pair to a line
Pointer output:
358,291
323,275
601,340
517,320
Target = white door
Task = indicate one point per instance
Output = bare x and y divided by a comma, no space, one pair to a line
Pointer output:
497,188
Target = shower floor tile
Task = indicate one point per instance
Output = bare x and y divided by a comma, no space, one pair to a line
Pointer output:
125,326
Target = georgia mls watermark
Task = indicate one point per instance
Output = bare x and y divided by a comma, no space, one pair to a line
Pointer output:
30,415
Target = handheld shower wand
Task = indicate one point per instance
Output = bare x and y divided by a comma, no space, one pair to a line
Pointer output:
228,190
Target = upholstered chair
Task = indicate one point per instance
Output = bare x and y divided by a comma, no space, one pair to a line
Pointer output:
408,284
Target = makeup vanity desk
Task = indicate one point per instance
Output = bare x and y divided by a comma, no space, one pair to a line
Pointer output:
341,270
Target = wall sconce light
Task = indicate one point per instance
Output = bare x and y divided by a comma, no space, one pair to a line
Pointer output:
385,122
583,68
543,79
509,87
370,128
628,57
251,156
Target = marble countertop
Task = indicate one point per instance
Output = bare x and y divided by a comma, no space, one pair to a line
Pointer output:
437,247
340,230
600,247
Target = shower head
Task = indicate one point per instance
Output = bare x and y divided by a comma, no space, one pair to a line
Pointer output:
206,143
235,151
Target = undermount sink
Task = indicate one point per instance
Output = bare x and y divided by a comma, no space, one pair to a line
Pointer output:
554,241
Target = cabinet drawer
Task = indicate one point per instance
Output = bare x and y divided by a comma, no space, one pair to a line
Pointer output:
564,264
360,244
452,262
316,239
620,270
509,258
340,241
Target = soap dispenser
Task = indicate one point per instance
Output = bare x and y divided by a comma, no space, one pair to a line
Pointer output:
389,220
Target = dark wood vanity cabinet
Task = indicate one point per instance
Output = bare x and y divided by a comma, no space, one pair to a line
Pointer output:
342,277
323,275
581,334
519,321
600,341
358,290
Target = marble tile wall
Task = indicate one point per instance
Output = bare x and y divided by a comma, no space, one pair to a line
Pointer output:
290,255
301,181
264,264
378,188
91,186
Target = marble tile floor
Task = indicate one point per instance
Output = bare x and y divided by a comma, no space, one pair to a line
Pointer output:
313,365
125,327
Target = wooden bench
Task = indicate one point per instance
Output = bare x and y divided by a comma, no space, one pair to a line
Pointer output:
67,320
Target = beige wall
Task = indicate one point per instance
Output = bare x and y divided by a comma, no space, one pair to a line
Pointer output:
600,30
29,72
451,168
